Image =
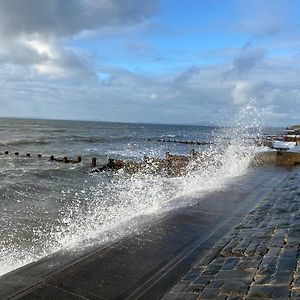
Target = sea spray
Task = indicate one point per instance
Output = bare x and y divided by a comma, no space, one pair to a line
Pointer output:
119,202
127,197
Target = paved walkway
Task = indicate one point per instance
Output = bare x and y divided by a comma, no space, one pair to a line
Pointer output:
145,264
259,259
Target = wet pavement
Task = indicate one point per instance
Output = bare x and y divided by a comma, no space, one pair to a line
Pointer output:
258,259
148,264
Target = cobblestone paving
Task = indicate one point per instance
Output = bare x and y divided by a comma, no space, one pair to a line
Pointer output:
259,259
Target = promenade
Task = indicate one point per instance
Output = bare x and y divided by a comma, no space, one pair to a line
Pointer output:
258,259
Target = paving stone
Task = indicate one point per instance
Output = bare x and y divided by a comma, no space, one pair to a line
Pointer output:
180,296
224,241
215,284
203,279
240,274
266,270
197,269
278,241
218,260
241,247
273,251
295,293
249,262
190,276
296,281
268,291
262,248
195,288
211,269
227,250
262,279
230,263
209,293
222,297
250,250
231,297
268,262
282,277
289,253
287,264
236,286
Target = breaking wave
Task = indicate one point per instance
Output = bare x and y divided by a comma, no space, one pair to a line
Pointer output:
119,202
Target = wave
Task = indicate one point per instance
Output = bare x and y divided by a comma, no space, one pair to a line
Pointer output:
110,208
17,142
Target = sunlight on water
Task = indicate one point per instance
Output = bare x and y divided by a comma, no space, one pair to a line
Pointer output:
120,202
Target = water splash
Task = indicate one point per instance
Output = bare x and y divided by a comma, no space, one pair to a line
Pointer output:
120,202
128,197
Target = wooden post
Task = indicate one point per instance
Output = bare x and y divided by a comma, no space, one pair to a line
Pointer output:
193,153
94,162
65,160
51,157
79,159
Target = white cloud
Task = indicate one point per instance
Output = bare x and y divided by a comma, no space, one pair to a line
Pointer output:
241,91
32,31
41,77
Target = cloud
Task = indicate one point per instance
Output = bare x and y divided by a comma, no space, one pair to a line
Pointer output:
32,32
263,18
247,58
49,65
69,18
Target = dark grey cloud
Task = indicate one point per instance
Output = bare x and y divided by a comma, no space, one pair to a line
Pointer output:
68,18
247,58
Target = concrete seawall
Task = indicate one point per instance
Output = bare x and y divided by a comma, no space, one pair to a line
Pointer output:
145,265
280,158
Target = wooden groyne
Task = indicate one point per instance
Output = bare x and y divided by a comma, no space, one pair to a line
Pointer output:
181,142
171,164
174,165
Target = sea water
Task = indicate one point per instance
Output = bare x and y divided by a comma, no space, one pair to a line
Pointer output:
47,206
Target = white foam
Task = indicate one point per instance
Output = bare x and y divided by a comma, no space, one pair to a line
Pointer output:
115,207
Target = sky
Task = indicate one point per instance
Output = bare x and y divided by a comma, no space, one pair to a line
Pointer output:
158,61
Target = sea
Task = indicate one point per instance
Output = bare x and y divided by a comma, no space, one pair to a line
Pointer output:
48,206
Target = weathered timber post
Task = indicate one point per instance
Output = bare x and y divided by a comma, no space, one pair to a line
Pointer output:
94,162
193,153
79,159
65,160
168,163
